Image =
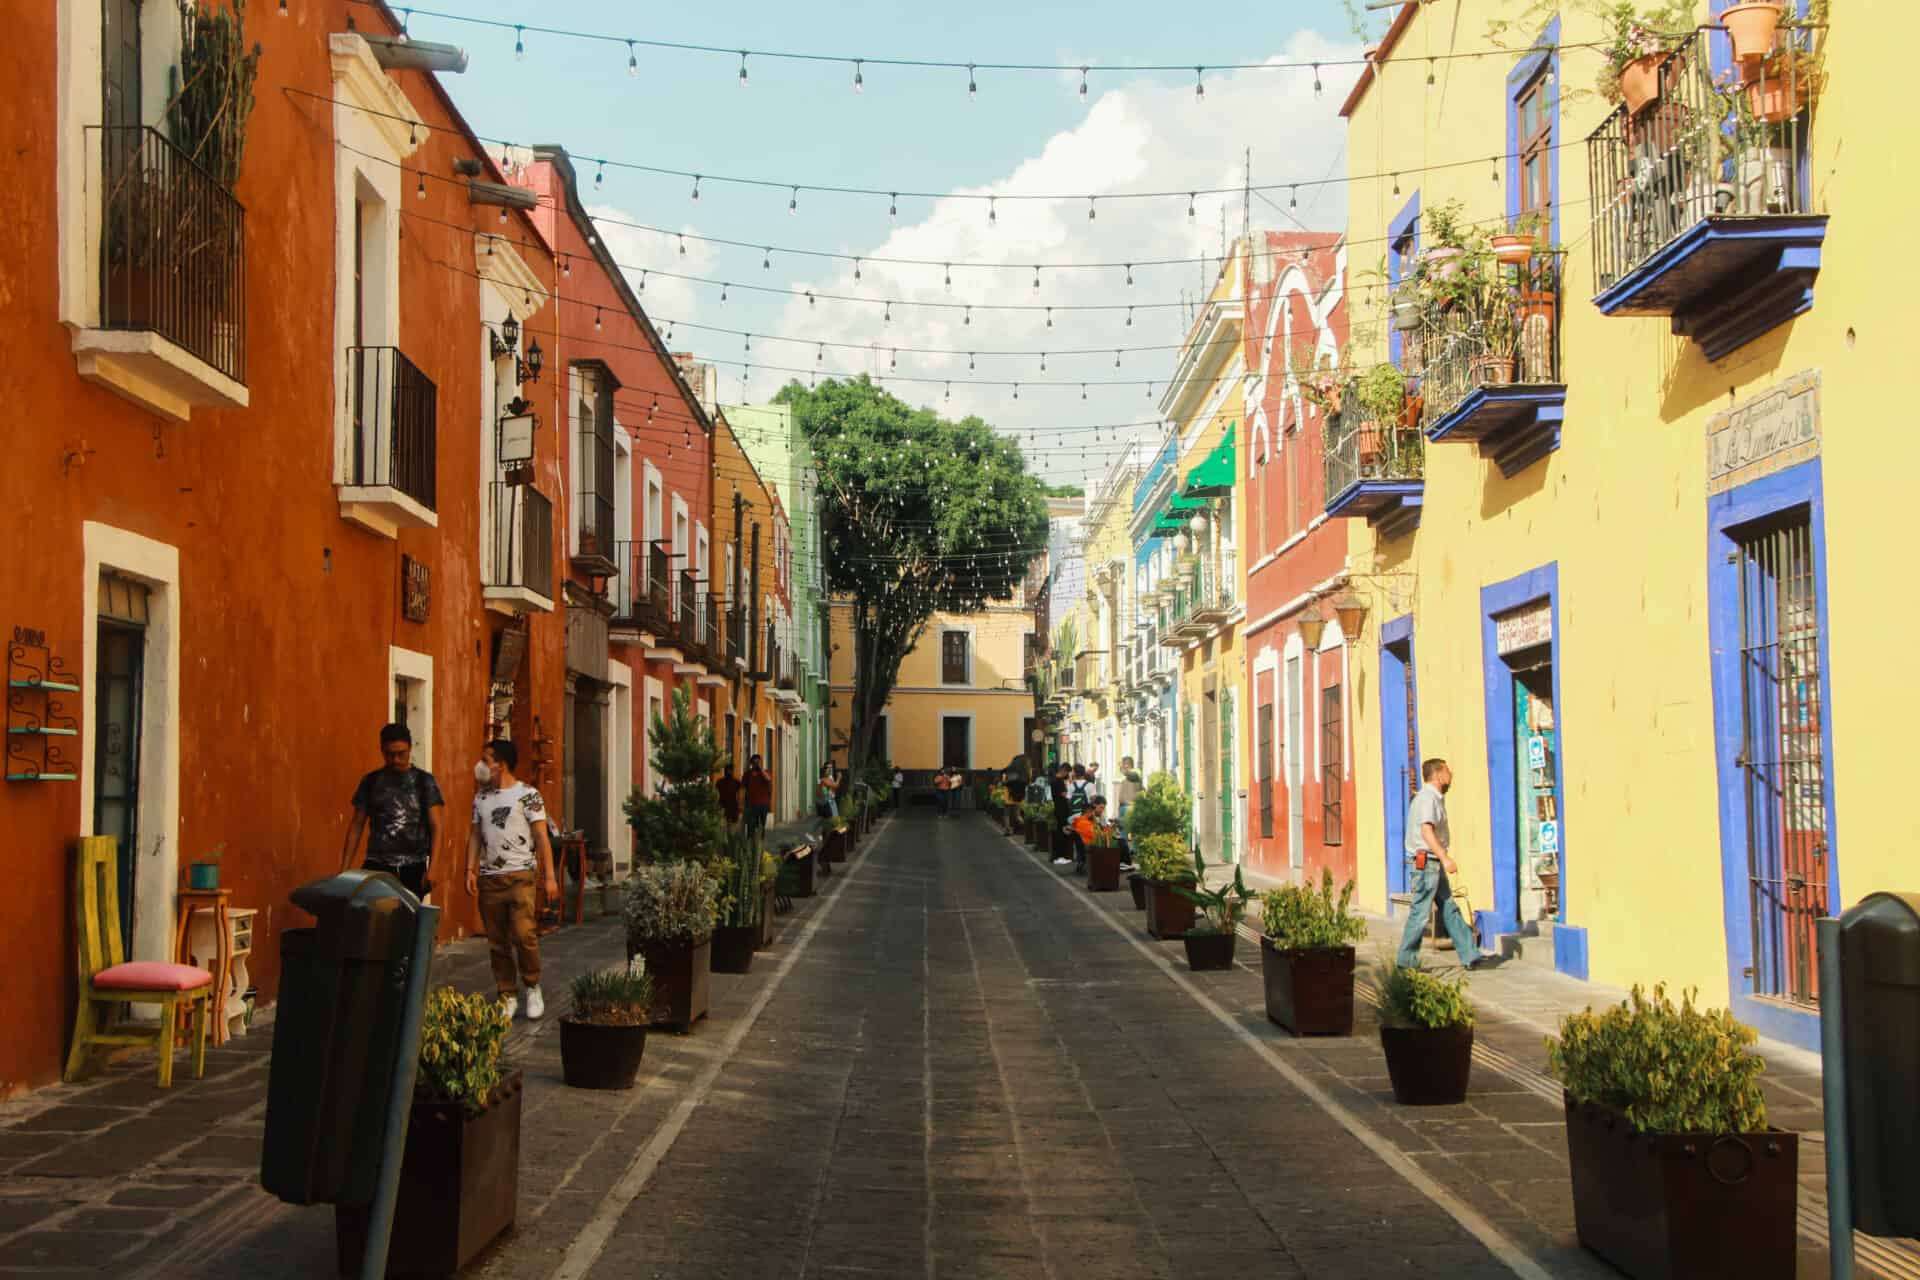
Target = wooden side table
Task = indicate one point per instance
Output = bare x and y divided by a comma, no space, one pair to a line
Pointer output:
188,902
204,942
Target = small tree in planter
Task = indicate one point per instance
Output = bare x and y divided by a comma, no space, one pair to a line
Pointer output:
738,931
1166,864
683,819
1675,1170
1426,1031
670,912
1306,957
1038,815
602,1038
1210,940
460,1174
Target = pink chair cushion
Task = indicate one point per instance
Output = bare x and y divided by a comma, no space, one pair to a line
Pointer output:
151,975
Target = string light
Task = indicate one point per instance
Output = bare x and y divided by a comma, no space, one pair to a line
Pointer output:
949,394
1129,273
421,190
968,317
856,268
1091,213
1036,275
596,319
519,45
696,186
723,291
993,217
1049,317
893,204
1293,197
973,89
859,81
1493,169
949,277
1190,196
1316,79
633,61
683,245
766,260
1129,317
1199,89
1116,358
600,175
743,68
1396,184
643,282
1083,86
793,203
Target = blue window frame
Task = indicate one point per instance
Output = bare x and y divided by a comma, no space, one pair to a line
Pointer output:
1533,131
1403,244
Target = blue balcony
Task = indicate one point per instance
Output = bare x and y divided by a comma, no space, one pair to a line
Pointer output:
1373,470
1706,215
1494,380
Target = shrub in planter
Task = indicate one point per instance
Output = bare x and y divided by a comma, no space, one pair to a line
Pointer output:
834,849
1162,809
1306,957
1426,1031
1675,1170
670,912
683,818
1210,940
737,928
460,1173
604,1035
1165,862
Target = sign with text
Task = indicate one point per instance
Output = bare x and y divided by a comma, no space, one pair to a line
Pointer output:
416,589
1523,628
1775,430
516,438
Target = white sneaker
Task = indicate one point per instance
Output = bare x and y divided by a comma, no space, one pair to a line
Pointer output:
509,1005
536,1004
1063,862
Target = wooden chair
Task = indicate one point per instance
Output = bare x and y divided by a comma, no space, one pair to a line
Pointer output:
106,980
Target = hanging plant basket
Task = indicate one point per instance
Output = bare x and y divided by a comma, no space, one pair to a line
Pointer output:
1514,249
1640,82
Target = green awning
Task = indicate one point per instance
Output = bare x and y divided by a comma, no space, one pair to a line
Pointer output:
1213,477
1178,512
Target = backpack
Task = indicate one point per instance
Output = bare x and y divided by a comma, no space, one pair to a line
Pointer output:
1079,795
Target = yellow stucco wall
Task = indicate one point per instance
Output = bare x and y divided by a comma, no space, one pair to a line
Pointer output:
1621,509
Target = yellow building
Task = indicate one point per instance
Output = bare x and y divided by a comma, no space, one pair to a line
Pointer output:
1201,607
1107,668
961,697
1614,616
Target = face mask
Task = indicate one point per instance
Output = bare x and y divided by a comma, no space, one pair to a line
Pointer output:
482,772
1445,787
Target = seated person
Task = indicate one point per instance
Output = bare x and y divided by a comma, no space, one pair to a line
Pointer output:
1089,828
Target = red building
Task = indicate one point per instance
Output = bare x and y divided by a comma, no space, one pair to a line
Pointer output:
1301,806
258,502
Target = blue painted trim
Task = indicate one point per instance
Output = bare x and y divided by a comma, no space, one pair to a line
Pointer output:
1379,496
1796,486
1502,799
1787,230
1544,54
1494,412
1397,677
1486,929
1570,950
1405,226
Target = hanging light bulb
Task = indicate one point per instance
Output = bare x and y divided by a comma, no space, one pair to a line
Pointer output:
633,61
766,258
723,291
596,319
1129,317
1036,275
519,45
993,218
1396,184
859,81
1430,73
1083,391
949,391
809,299
696,186
1049,317
970,361
743,68
1199,89
1116,357
1293,197
1043,362
600,175
746,342
856,268
973,89
887,316
949,277
1016,391
421,190
503,216
968,318
793,202
1190,196
893,361
1493,169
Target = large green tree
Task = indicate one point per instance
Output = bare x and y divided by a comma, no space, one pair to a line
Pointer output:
917,515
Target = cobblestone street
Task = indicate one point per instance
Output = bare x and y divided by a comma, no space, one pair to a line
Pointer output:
954,1062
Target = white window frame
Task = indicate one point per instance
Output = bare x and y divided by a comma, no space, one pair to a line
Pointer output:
654,500
410,664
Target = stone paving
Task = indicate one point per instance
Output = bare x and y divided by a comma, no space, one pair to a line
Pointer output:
954,1062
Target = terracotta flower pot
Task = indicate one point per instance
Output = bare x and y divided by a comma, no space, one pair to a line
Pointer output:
1640,82
1429,1066
1750,28
1513,248
1443,260
600,1056
1309,991
1776,97
1209,950
1492,371
1668,1206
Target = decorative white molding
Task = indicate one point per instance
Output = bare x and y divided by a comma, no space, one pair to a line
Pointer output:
498,263
383,510
153,372
359,80
514,601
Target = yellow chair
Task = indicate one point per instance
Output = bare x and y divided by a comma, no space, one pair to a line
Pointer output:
106,980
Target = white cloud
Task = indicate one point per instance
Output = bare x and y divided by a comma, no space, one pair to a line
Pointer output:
1136,135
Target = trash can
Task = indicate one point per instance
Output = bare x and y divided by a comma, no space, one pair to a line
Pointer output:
1880,998
343,987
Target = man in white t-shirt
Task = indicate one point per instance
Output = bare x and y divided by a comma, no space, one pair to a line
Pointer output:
1429,863
506,847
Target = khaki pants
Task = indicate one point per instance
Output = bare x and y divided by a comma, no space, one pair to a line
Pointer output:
507,914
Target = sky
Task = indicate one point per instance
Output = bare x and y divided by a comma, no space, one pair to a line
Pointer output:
916,129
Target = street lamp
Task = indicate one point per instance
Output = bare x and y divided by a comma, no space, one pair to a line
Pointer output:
1352,612
1312,626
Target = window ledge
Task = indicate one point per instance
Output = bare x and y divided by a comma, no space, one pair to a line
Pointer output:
515,601
384,510
154,372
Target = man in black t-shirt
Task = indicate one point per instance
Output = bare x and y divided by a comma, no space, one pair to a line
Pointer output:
399,807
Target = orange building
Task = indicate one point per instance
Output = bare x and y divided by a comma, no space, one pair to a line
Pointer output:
259,505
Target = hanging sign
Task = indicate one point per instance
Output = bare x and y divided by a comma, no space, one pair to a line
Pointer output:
1536,752
1774,430
416,589
1550,838
1523,628
516,438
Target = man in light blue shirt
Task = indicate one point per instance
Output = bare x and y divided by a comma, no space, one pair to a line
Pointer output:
1429,862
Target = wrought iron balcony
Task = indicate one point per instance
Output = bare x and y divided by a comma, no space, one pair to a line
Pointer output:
392,413
1494,379
687,607
737,636
627,588
1373,469
1703,198
520,579
172,251
656,603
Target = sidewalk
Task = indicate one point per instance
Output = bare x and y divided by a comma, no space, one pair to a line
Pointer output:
115,1176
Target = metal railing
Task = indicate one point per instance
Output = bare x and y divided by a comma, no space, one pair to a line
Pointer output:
172,249
626,588
393,407
736,634
1353,450
522,539
656,606
688,608
1518,343
1699,150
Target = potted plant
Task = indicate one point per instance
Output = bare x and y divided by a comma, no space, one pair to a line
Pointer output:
204,873
1137,889
1039,816
798,868
1778,87
1382,393
1103,864
1306,957
670,911
460,1170
1516,246
1638,48
1164,860
737,929
835,848
1209,941
603,1037
1426,1032
1444,228
1751,28
769,879
1676,1172
683,818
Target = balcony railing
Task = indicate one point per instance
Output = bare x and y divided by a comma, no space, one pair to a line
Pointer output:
1372,468
1494,378
1703,197
626,586
172,249
656,606
522,540
736,634
393,409
690,616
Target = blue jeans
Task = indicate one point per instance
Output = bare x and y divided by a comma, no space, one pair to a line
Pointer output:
1429,887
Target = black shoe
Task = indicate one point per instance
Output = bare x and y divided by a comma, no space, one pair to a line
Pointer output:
1485,961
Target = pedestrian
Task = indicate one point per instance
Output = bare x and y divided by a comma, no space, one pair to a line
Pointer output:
1128,789
1080,790
1430,862
729,788
399,807
823,802
758,787
1057,790
1093,775
943,791
507,847
1090,824
899,785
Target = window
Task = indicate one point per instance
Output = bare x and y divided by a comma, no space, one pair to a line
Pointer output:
1332,756
593,467
1533,134
955,664
1263,767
